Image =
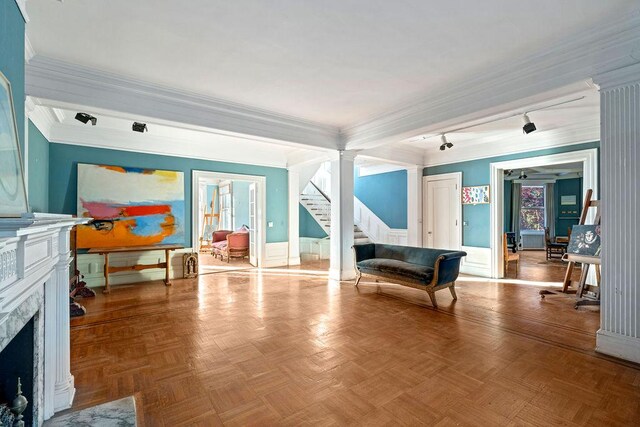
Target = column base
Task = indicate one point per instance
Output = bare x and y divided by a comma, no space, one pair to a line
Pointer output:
616,345
63,395
294,261
342,275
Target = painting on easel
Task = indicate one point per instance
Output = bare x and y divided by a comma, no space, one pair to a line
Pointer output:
585,240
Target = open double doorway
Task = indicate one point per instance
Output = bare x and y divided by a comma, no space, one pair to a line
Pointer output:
228,220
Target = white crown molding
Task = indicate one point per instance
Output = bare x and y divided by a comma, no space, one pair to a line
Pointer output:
22,5
550,139
393,154
620,77
28,49
56,80
578,58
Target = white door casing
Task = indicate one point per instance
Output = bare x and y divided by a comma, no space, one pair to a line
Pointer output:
253,215
442,211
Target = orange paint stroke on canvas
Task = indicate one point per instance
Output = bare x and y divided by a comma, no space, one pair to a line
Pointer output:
121,234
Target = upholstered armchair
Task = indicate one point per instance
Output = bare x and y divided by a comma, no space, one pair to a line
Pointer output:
230,244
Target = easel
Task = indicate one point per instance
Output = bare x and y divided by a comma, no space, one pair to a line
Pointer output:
207,223
586,261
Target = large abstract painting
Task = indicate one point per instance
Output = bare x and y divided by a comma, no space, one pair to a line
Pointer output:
130,206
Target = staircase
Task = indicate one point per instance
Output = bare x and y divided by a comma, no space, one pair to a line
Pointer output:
318,205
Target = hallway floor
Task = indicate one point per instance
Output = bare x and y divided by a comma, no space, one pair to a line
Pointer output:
289,347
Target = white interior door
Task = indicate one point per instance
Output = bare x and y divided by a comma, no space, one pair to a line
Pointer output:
253,224
443,213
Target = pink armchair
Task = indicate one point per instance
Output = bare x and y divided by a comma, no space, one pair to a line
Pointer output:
230,244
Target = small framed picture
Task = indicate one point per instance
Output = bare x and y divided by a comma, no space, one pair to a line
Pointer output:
475,195
13,194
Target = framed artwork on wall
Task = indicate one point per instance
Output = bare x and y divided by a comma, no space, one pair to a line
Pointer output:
475,195
130,206
13,194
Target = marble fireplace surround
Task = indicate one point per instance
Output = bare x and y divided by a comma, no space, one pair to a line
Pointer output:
34,283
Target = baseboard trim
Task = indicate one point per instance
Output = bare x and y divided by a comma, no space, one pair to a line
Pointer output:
276,255
477,262
616,345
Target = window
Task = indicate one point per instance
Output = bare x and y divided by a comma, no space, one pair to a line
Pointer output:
532,210
226,214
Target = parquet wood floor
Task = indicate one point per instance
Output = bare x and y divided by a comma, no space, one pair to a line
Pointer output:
289,347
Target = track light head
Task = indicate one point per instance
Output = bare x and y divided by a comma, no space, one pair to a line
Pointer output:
529,126
86,118
523,175
445,144
139,127
443,147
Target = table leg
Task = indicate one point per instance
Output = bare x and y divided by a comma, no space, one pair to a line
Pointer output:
107,288
167,269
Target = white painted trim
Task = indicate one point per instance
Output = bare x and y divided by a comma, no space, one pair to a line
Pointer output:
315,246
91,266
414,206
374,227
477,262
617,345
22,5
276,255
261,187
28,49
589,159
294,216
425,212
369,170
56,80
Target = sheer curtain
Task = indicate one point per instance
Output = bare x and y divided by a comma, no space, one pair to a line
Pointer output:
550,209
516,205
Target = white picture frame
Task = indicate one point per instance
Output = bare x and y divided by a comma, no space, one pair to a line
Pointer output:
13,192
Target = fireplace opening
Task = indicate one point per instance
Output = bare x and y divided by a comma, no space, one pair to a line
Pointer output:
17,360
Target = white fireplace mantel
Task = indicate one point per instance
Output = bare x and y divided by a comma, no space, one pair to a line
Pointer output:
34,282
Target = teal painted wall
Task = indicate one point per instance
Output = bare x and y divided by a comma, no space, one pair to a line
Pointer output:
63,160
477,172
308,227
38,170
377,191
240,203
567,215
12,59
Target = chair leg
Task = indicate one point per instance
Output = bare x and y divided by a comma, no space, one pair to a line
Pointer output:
432,297
453,291
358,277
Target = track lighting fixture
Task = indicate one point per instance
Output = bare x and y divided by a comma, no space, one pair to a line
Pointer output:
508,172
445,144
529,126
86,118
523,175
139,127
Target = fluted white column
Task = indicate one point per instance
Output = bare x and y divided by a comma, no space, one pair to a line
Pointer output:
341,254
57,324
619,333
414,206
294,216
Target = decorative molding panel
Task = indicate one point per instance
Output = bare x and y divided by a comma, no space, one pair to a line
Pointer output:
276,254
91,266
375,228
56,80
477,262
312,245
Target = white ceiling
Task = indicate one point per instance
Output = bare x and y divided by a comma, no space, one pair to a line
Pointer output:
335,62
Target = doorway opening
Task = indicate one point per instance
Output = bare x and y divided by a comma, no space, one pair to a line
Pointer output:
229,220
530,209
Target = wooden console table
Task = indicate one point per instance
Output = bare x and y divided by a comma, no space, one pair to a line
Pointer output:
136,267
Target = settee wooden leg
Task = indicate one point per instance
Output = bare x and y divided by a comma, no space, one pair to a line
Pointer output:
358,277
452,289
432,297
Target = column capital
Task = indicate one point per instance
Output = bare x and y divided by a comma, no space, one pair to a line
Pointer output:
619,77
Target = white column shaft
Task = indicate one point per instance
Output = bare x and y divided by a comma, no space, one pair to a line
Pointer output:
294,217
619,333
341,253
414,206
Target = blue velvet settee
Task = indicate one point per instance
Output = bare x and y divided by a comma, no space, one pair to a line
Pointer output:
420,268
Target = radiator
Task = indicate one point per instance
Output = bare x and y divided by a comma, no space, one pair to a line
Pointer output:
532,241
